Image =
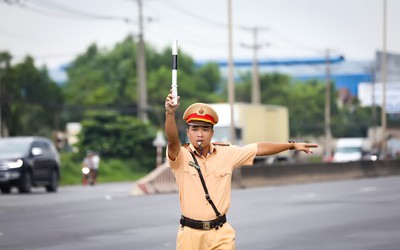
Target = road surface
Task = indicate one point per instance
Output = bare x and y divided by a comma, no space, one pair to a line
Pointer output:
361,214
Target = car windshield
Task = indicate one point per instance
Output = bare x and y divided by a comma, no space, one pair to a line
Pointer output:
14,146
349,150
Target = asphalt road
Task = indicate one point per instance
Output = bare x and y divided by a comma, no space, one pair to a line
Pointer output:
354,214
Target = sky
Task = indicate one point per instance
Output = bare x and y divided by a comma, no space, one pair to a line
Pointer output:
54,32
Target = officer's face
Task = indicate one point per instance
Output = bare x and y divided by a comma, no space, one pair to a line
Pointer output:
199,133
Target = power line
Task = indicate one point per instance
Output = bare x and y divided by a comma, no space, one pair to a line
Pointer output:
223,25
296,43
80,13
62,11
193,15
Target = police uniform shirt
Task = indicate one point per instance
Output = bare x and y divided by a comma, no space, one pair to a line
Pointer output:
216,169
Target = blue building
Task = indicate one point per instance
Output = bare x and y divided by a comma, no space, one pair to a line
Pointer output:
347,81
345,74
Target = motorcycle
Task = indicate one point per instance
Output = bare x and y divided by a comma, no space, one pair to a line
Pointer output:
88,176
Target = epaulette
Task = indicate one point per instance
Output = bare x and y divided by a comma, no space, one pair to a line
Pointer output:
221,144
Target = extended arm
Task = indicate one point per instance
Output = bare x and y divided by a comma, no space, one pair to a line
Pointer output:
171,130
269,148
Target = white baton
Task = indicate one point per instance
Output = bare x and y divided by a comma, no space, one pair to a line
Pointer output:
174,85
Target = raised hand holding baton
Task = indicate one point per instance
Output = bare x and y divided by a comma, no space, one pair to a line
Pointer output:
174,85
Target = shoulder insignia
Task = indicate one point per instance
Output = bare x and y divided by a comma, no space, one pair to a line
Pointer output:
221,143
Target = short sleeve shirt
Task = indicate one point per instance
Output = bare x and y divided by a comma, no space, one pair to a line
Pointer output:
216,169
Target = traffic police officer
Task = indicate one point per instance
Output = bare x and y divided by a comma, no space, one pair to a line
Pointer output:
203,172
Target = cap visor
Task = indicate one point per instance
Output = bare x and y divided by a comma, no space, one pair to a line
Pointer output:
200,124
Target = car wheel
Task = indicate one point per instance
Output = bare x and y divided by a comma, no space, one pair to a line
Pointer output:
53,185
25,184
5,189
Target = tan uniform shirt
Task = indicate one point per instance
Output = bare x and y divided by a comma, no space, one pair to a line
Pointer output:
217,170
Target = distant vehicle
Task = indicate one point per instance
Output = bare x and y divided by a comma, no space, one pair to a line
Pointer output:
27,162
350,149
273,160
254,123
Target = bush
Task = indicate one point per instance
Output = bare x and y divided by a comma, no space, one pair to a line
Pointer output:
110,170
118,136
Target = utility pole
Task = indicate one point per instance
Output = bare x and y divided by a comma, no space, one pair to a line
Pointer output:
373,106
141,70
384,72
328,133
255,87
231,80
1,106
2,96
237,174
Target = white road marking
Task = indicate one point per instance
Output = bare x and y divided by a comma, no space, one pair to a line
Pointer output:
310,195
368,189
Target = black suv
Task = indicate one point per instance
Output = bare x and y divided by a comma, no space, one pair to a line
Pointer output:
27,162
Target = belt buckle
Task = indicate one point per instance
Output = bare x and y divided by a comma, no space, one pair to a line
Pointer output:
206,225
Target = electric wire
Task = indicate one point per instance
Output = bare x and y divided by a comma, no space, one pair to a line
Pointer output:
192,15
62,11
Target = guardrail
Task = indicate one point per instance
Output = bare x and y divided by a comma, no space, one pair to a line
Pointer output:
162,180
281,174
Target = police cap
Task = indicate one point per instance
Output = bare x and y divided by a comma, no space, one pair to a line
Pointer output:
200,112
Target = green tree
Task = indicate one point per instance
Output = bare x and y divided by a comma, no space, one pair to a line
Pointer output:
306,108
32,101
5,114
275,88
305,100
106,80
352,121
118,136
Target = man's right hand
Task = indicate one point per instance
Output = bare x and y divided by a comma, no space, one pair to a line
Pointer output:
170,107
171,130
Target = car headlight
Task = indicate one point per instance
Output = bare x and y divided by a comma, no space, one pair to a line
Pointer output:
374,157
15,164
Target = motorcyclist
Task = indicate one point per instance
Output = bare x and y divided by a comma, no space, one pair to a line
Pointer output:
92,162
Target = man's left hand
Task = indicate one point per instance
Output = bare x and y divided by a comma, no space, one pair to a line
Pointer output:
305,147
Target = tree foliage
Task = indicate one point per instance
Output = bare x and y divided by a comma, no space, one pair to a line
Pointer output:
120,136
306,105
31,102
101,92
107,78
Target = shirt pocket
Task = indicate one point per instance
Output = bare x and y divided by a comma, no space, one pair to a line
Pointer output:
190,170
222,178
191,178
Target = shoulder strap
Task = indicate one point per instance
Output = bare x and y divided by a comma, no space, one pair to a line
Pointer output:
196,165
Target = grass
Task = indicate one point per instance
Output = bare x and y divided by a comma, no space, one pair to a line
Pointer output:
110,170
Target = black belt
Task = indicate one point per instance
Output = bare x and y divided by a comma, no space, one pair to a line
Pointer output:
204,225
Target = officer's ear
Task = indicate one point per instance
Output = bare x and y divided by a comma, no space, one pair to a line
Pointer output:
187,130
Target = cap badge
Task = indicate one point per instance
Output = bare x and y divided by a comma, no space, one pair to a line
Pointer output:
200,111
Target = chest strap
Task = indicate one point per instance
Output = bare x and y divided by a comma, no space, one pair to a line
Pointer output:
196,165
